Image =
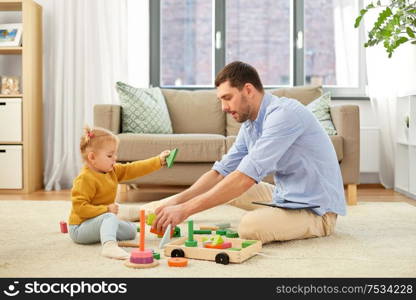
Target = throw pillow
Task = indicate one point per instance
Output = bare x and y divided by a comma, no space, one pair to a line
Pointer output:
321,109
143,110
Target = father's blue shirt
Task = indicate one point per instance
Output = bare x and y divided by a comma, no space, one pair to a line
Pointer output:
287,140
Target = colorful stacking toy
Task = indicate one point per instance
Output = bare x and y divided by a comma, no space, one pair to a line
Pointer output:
141,258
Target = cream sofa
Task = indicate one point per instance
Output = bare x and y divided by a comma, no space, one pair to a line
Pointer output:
203,134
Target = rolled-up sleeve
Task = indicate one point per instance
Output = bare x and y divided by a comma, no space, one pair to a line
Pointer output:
232,159
281,128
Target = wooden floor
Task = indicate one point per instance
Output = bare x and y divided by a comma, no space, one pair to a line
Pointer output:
366,193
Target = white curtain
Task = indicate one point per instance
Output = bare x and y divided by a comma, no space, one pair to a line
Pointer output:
388,79
85,53
346,42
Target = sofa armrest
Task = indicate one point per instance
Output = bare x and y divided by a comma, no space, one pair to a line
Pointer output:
346,119
108,116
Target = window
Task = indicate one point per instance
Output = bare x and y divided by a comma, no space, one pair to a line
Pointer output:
289,42
331,42
186,43
260,38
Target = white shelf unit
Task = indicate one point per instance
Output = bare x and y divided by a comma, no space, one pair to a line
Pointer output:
405,156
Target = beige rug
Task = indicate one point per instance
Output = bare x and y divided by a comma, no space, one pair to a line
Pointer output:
373,240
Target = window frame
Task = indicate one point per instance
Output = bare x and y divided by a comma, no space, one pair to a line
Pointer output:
296,56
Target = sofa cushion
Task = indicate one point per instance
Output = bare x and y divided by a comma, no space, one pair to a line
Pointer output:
321,109
192,147
336,140
143,110
305,94
195,111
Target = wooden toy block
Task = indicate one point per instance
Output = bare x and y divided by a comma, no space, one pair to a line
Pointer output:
142,230
177,262
171,158
231,234
216,240
247,243
177,248
190,242
141,260
223,225
159,234
136,253
221,232
177,232
138,228
150,219
212,228
141,266
224,245
156,255
64,227
202,231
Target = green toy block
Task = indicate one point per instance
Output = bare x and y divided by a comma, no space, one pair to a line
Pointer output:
216,240
234,249
177,232
191,243
247,243
156,255
150,219
138,228
202,231
170,159
223,225
231,234
221,232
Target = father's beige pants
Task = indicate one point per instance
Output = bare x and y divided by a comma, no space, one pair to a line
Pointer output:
269,224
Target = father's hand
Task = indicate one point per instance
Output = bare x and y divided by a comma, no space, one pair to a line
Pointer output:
174,215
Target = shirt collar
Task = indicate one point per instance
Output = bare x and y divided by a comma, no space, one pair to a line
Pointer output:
262,111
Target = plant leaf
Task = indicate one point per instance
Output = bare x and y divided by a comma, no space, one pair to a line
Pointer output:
357,21
410,32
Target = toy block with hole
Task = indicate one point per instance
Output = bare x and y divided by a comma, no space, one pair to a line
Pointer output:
202,231
177,262
223,225
212,228
224,245
231,234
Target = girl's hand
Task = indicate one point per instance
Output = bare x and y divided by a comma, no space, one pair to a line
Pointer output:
163,156
113,208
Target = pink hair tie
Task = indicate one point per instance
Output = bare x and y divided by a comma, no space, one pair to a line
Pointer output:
90,135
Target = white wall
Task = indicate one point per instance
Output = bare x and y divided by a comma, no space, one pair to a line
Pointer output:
369,140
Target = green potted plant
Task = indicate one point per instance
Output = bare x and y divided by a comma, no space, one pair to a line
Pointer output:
395,25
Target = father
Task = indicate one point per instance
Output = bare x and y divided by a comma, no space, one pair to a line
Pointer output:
279,136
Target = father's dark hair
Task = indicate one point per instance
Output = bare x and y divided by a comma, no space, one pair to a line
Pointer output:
238,74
